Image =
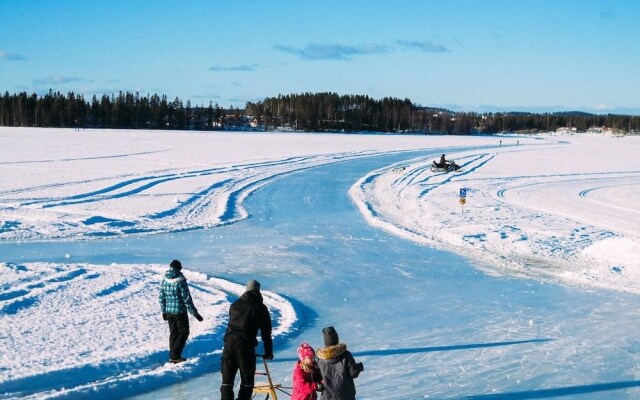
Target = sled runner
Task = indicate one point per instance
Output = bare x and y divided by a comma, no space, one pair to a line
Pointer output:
269,388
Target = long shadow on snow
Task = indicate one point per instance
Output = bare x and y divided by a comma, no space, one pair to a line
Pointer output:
557,392
110,380
414,350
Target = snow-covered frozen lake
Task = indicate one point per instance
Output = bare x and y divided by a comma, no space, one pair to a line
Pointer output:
530,291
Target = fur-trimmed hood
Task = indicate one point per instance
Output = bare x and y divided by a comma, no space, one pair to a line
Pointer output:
173,275
332,352
338,369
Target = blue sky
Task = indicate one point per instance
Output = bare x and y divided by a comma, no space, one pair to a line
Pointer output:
545,55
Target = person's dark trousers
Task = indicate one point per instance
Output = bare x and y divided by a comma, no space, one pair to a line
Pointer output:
237,355
179,333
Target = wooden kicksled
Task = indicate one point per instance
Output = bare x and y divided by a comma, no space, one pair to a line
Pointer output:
269,388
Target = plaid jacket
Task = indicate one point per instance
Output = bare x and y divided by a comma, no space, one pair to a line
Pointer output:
174,294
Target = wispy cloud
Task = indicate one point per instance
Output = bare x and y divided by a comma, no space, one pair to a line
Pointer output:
5,55
240,68
315,51
58,80
427,47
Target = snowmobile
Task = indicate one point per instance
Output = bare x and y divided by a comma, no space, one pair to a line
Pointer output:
449,166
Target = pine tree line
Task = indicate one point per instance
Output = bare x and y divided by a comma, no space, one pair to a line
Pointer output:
126,110
331,112
314,112
550,122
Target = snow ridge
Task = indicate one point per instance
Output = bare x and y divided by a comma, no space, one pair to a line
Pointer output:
96,330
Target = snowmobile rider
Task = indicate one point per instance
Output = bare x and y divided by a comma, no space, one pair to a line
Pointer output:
246,316
446,164
175,301
443,162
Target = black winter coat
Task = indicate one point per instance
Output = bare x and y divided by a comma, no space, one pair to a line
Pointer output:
338,369
247,315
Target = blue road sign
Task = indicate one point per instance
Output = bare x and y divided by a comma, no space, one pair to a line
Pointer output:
463,192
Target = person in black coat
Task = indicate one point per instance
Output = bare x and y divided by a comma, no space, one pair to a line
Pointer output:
247,315
337,367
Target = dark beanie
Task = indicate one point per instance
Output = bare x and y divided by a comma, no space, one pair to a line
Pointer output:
175,264
252,285
330,336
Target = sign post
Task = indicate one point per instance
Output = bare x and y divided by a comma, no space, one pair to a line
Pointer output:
463,198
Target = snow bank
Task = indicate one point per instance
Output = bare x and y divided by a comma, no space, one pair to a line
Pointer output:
90,327
553,209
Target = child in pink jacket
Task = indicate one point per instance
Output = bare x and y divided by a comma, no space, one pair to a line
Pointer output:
306,375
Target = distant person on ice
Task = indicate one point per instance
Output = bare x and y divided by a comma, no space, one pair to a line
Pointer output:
175,301
338,368
246,316
306,375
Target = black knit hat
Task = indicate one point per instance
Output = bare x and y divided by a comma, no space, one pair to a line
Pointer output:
330,336
175,264
252,285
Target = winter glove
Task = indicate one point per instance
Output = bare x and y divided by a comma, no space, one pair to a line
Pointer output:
198,317
268,356
360,367
319,387
164,316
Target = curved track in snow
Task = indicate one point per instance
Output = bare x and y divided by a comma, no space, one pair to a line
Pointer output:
96,329
515,222
167,201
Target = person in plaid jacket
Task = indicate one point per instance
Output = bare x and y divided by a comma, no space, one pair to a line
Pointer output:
175,301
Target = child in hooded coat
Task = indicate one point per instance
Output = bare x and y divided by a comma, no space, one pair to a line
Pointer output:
338,368
306,375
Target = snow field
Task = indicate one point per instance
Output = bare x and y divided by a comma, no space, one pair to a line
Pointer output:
551,209
565,211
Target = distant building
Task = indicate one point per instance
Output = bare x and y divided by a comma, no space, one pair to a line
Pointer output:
566,131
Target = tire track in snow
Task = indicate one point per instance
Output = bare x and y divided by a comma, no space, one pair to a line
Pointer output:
586,194
87,158
521,234
476,163
214,198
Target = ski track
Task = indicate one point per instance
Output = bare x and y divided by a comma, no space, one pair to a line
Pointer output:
117,302
85,158
208,197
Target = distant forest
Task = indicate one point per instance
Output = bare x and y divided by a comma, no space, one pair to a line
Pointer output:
313,112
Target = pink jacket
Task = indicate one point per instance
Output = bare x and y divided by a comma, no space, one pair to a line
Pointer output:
305,383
